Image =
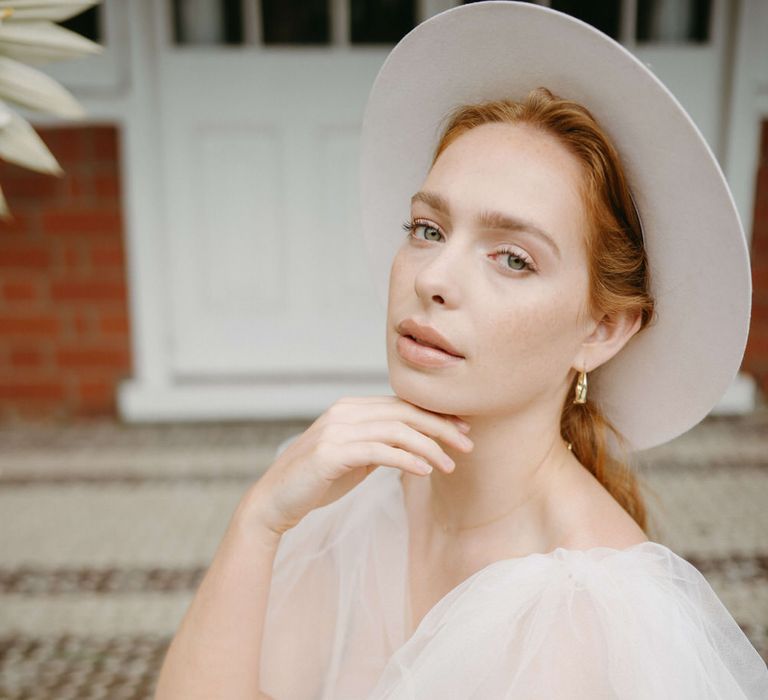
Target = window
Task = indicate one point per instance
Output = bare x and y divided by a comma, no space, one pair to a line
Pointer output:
653,21
207,21
674,21
87,23
381,21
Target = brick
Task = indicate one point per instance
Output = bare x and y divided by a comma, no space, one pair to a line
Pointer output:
77,188
104,143
35,411
27,256
759,305
35,186
20,291
32,390
72,258
759,285
88,291
68,145
117,324
759,299
96,391
759,320
88,222
107,186
81,324
757,347
107,256
19,223
29,325
26,358
80,357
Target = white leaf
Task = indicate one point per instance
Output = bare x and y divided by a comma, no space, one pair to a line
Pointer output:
5,114
20,144
41,42
54,10
34,89
5,212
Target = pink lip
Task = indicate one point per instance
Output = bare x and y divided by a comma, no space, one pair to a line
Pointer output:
426,335
424,355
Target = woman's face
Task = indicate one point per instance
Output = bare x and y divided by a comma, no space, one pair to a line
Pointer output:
520,330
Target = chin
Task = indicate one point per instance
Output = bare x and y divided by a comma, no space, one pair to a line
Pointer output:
421,393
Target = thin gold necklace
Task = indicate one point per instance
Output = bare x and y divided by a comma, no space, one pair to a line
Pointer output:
449,530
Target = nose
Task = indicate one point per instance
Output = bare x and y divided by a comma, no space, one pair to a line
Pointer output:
437,279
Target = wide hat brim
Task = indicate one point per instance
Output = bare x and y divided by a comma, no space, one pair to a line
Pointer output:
670,375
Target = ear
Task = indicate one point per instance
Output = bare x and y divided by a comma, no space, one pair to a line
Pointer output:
609,336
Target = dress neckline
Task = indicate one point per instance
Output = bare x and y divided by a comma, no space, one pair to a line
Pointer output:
410,629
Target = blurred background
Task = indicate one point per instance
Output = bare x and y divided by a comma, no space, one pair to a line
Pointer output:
171,302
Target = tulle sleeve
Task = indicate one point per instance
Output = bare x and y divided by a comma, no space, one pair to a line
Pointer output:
640,623
300,614
335,606
635,624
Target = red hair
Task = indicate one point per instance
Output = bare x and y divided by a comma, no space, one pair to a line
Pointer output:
619,275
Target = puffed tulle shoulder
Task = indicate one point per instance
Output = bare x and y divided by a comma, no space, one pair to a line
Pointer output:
640,623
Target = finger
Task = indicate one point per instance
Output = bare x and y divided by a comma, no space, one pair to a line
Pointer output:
353,455
438,425
391,399
398,434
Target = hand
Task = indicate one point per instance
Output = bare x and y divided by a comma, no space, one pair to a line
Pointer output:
346,444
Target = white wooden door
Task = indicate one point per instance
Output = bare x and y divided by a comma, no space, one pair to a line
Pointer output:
266,267
264,303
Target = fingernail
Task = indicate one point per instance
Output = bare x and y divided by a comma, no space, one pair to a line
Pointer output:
462,425
425,467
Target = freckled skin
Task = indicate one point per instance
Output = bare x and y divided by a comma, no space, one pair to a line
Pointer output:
524,335
520,330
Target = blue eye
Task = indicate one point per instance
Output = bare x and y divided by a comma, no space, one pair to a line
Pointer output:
526,262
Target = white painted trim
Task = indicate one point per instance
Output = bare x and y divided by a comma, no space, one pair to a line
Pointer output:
104,73
222,401
740,398
302,401
142,161
748,106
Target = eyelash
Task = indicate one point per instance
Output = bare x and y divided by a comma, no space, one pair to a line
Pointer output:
409,226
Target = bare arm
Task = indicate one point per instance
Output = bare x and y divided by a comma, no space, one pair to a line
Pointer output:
216,650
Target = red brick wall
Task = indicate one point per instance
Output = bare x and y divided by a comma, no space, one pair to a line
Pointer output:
756,356
64,335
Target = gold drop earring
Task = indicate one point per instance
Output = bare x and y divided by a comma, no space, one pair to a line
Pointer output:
581,388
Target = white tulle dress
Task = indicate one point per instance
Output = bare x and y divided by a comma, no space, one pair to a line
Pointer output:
634,624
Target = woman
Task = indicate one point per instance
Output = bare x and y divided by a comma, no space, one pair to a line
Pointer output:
386,555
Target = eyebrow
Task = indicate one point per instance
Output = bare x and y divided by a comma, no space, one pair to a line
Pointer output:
488,219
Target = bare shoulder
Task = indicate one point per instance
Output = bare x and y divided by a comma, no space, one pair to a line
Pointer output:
597,519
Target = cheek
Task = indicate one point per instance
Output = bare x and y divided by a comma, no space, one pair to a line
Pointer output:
400,276
394,274
533,331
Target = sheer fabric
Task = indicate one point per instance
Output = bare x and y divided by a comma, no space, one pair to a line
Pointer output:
637,623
